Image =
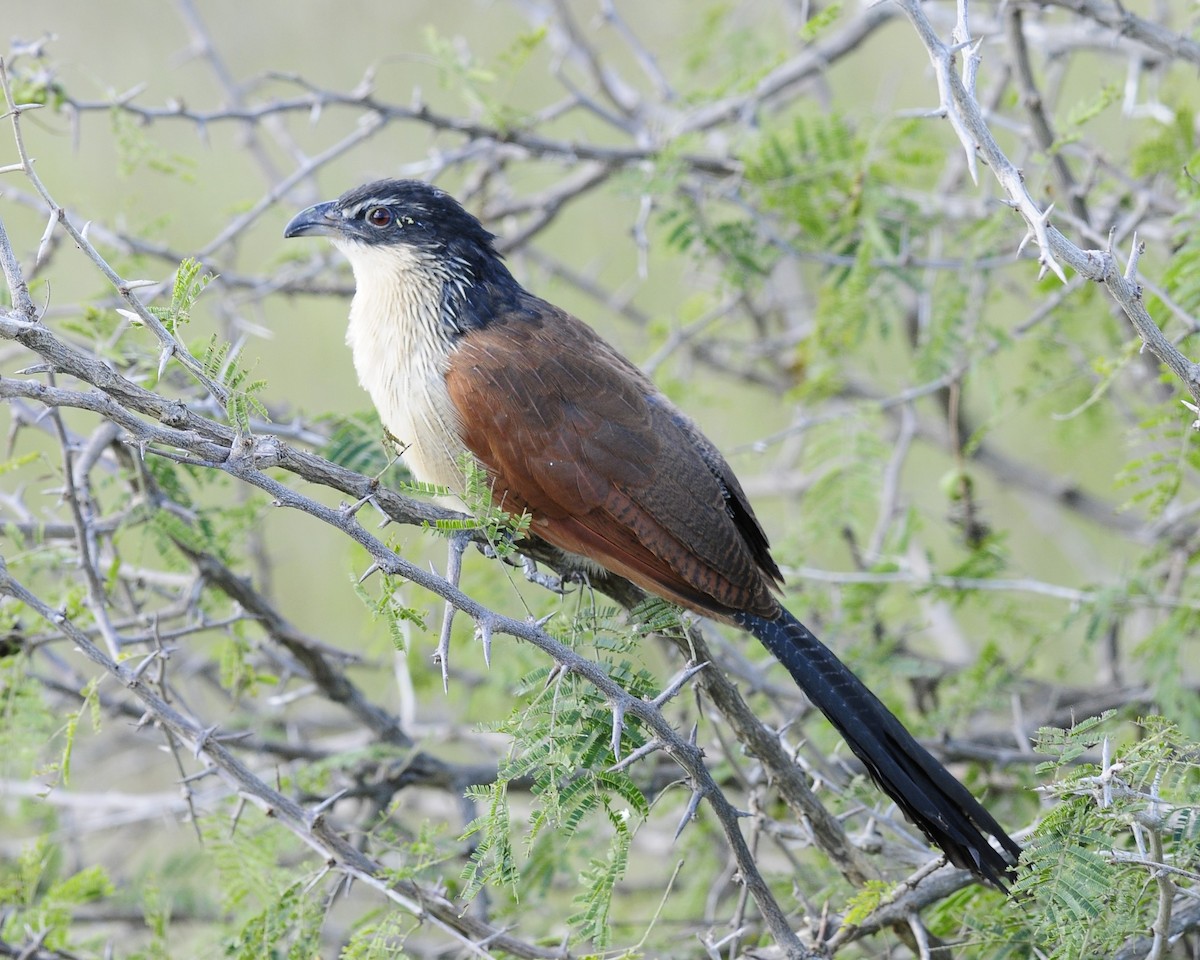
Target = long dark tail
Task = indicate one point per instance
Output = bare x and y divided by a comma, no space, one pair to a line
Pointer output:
926,791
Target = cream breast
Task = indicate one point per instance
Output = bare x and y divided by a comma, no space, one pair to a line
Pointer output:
401,352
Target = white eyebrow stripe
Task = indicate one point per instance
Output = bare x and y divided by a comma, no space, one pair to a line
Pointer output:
349,213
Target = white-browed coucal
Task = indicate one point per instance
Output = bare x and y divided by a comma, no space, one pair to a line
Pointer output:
462,362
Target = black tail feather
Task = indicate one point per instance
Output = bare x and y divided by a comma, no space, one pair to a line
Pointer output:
926,791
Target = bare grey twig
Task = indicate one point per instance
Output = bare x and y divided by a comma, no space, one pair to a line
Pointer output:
98,444
963,110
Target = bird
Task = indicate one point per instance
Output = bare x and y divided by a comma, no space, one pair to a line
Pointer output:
467,367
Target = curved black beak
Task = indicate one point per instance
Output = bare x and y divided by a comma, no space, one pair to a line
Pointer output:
321,219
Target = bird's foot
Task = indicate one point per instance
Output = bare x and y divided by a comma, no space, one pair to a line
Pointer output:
548,581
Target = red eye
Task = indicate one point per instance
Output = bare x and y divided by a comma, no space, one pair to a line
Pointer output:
379,216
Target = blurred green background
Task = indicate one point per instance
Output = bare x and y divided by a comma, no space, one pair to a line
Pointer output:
181,185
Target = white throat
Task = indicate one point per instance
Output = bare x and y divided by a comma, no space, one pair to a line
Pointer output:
401,352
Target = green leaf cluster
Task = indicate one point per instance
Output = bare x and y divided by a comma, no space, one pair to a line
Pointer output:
189,283
356,442
42,897
219,361
386,606
562,743
1088,876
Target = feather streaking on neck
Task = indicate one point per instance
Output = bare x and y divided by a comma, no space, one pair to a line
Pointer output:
401,350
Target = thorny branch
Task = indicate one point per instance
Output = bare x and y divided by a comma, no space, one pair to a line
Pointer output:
244,461
312,829
218,448
960,106
647,119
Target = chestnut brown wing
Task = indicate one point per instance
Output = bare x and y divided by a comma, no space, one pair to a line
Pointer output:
574,434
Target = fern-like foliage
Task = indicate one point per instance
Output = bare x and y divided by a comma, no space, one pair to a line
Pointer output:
380,936
388,607
1157,478
26,720
487,89
271,909
1091,865
598,881
190,281
562,743
220,362
355,443
500,528
290,920
40,895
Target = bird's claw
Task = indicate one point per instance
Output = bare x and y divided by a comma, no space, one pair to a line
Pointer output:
548,581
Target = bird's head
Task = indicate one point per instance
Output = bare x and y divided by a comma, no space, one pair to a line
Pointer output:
410,233
393,213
